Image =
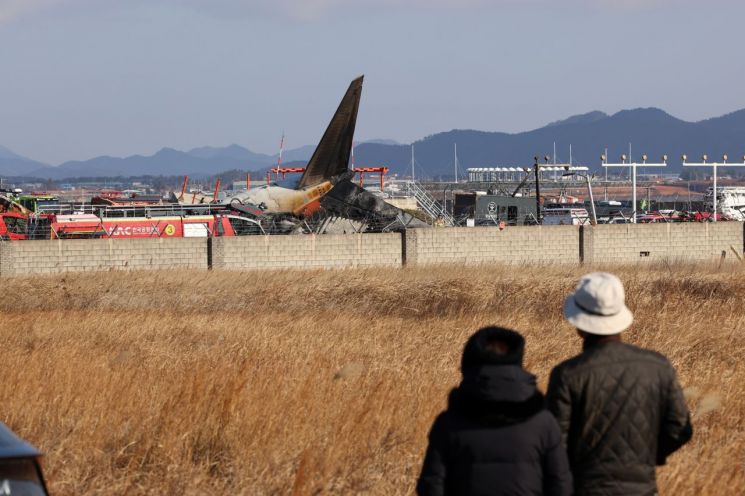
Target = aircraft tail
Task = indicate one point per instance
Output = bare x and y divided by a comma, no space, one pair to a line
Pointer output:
331,156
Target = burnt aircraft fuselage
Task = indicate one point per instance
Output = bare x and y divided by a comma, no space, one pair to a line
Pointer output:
285,198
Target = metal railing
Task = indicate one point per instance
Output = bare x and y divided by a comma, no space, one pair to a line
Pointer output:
434,209
109,211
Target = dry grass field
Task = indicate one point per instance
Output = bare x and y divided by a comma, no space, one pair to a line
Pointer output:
323,382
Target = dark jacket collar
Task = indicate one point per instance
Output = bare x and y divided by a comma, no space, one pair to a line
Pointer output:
592,341
497,395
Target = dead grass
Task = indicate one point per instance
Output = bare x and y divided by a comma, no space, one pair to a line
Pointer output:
322,382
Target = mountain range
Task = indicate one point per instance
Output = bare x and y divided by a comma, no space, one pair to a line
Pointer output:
649,130
12,164
203,161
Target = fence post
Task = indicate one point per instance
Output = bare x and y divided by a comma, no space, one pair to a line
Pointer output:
209,253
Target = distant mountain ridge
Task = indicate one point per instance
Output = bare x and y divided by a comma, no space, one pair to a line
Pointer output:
593,116
12,164
649,130
8,154
202,161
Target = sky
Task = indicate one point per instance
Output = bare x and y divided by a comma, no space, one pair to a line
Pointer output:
82,78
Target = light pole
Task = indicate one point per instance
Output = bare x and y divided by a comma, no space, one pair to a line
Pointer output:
587,178
713,166
633,166
538,216
444,198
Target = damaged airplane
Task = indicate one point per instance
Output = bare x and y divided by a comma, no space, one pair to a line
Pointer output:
325,188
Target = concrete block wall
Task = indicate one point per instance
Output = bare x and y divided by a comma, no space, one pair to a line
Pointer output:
688,241
513,245
417,247
81,255
309,251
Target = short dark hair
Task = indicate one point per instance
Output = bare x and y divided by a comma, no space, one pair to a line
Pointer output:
493,346
497,346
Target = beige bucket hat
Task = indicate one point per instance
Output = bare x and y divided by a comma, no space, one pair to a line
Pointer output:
598,305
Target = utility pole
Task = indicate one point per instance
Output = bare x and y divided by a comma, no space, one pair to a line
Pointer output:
690,204
592,200
555,173
554,152
606,175
455,163
412,161
538,215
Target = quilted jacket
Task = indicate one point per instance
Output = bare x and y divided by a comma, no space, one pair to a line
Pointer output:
621,412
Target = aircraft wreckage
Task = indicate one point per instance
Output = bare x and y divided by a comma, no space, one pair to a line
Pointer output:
325,191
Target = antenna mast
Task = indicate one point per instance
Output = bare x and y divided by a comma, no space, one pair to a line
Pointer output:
455,163
281,148
412,161
570,154
554,152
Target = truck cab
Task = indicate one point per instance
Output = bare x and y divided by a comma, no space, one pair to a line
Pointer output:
38,202
13,226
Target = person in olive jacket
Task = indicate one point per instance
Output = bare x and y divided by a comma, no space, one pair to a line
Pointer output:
495,436
620,408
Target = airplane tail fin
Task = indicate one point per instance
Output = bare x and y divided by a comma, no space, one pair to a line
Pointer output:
331,156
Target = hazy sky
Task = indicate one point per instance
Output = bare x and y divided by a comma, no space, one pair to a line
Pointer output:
80,78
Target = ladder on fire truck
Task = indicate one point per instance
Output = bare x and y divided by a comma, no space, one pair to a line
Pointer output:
434,209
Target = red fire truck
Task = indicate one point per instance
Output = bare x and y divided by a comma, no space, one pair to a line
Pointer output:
13,226
53,226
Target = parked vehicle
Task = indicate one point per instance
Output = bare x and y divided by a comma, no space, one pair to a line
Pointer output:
565,216
651,218
36,202
20,470
701,217
15,226
617,219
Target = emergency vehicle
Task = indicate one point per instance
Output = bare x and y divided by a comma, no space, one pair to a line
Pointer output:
15,226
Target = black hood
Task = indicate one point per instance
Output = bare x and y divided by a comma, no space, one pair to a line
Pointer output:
497,394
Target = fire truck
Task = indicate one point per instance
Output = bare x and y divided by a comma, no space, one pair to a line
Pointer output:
14,226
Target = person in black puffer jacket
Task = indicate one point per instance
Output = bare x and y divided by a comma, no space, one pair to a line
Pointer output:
495,438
